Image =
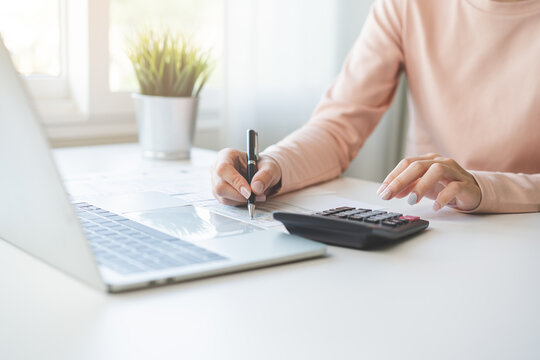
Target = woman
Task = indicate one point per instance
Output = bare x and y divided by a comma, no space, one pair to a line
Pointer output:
473,68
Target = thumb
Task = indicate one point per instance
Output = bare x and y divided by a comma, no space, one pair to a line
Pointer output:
266,177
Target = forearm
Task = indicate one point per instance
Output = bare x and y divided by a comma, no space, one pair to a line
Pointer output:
323,148
508,192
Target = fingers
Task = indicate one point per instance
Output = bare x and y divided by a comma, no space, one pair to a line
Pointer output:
448,195
411,174
403,164
435,177
228,195
263,180
436,173
228,184
267,175
230,175
407,190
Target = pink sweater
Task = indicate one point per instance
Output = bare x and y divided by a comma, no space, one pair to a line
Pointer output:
473,68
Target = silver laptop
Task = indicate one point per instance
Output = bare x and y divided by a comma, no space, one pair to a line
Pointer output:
102,248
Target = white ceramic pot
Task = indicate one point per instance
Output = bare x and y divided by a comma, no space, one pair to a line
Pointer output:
166,125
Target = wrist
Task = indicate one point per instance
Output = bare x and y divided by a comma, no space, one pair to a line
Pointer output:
477,195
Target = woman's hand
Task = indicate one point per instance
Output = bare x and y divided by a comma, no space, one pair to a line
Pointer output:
435,177
229,184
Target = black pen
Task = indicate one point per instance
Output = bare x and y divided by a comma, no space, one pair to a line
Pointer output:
252,157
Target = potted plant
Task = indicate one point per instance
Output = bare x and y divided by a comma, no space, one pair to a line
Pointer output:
171,73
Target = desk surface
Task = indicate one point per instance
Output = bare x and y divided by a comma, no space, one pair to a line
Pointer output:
466,289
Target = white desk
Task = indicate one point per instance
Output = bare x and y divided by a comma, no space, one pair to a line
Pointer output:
466,289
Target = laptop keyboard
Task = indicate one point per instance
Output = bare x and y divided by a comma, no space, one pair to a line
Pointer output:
128,247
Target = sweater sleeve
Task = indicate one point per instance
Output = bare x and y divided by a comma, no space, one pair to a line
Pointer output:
508,192
351,108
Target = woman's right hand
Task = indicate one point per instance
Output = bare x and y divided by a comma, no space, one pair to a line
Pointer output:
229,184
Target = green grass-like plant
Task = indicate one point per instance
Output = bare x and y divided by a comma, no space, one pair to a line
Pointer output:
166,64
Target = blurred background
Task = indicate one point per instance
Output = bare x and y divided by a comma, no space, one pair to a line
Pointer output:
274,60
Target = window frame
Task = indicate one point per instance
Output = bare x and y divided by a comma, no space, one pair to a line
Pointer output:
78,105
51,87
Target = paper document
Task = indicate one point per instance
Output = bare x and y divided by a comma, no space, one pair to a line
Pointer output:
292,203
170,181
263,211
192,186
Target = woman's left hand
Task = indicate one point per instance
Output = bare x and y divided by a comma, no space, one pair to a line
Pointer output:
435,177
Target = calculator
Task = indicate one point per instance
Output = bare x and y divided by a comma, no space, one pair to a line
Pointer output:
352,227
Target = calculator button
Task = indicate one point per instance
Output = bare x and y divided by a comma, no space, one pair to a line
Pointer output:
412,218
359,212
360,217
391,223
348,213
343,208
386,216
373,220
344,214
409,218
333,211
372,213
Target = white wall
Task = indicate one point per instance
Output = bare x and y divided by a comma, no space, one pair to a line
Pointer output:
281,57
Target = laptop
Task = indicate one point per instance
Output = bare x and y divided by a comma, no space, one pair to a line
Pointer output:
101,247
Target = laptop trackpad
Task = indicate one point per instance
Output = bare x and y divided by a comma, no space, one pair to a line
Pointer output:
192,223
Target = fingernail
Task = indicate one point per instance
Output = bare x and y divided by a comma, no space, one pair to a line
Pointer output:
383,186
245,192
413,198
386,195
257,187
260,198
436,206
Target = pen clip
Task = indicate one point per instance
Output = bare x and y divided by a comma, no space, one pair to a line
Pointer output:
257,145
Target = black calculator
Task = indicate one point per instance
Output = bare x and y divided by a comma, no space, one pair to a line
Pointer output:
353,227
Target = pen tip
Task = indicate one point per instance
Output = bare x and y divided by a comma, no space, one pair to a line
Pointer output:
251,210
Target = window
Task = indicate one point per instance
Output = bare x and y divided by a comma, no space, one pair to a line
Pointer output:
72,55
32,30
200,20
